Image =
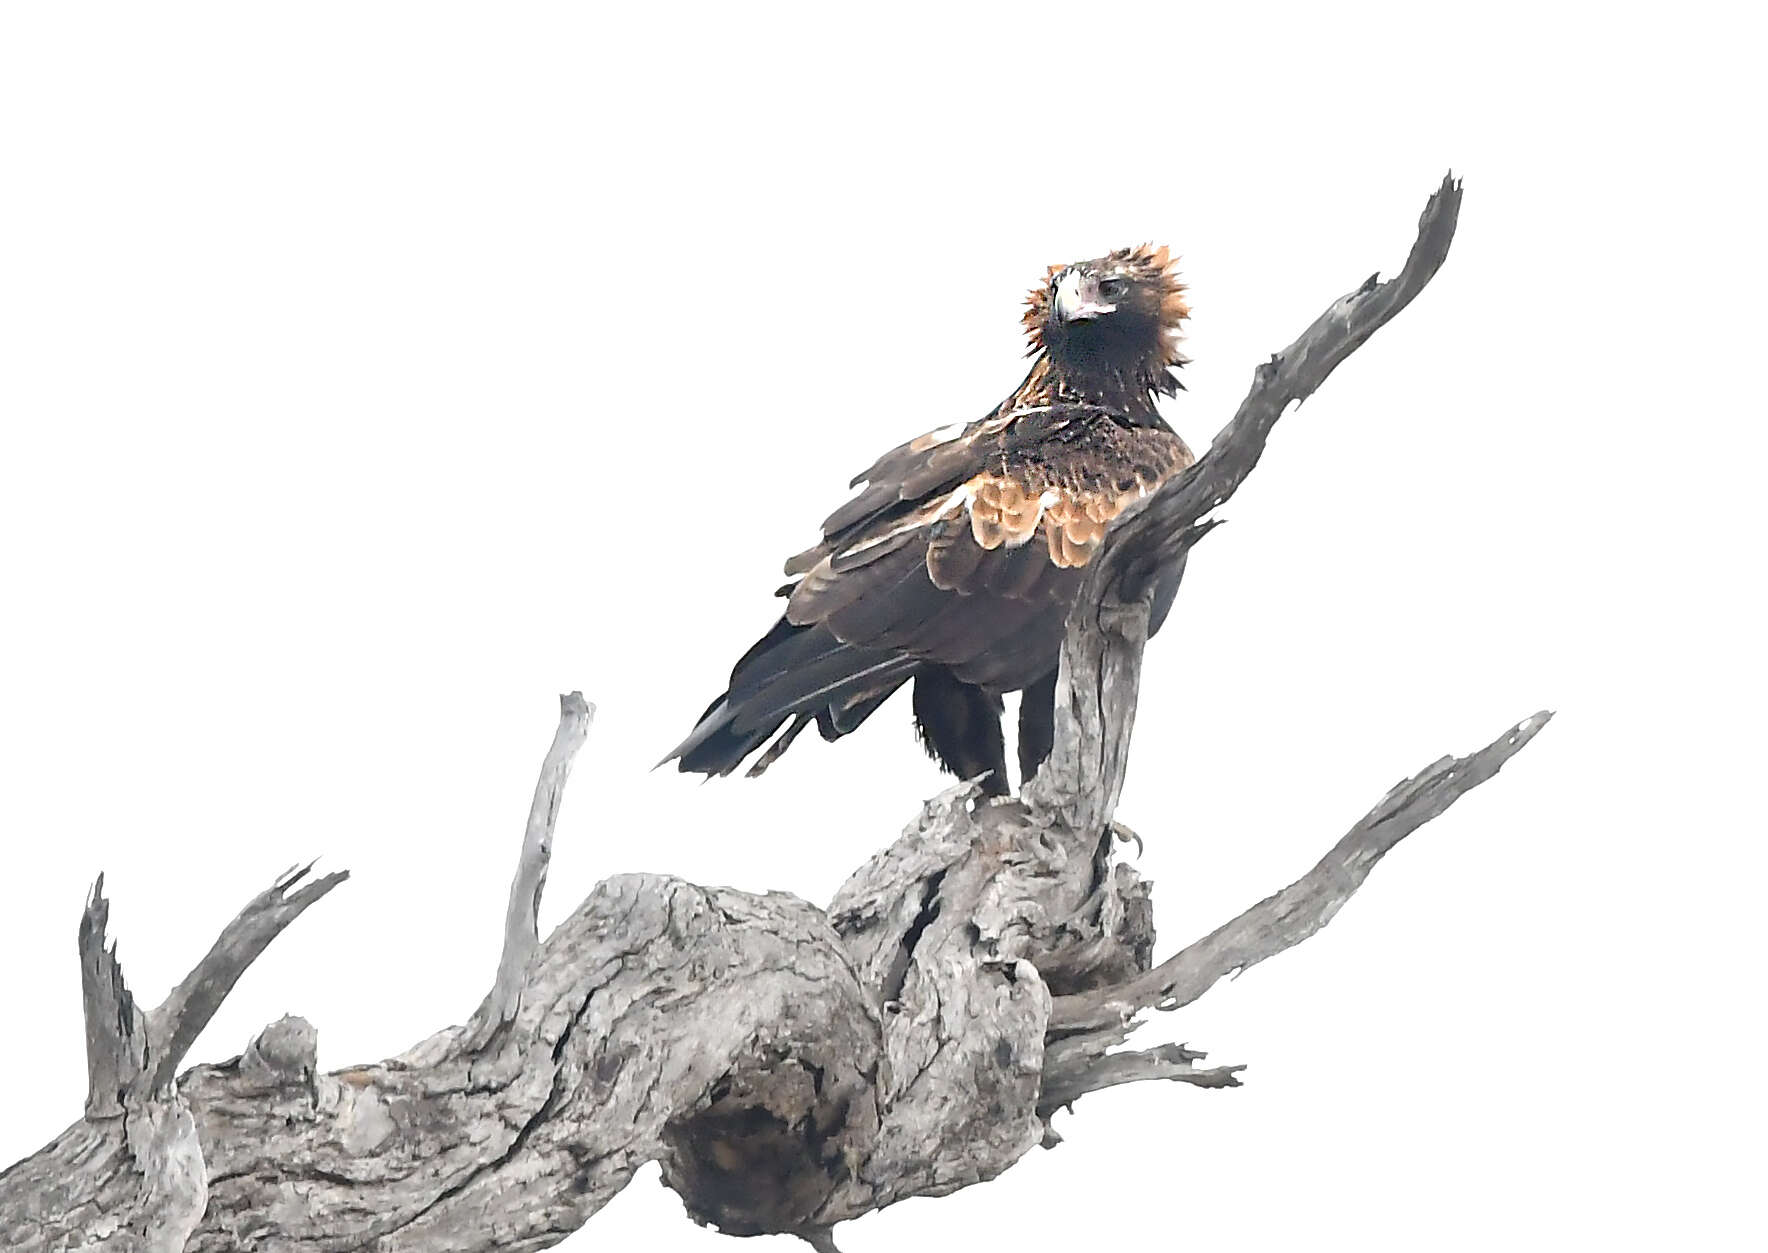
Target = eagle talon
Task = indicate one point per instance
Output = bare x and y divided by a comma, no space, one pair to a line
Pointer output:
1123,835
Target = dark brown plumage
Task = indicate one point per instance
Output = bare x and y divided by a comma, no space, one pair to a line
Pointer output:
957,561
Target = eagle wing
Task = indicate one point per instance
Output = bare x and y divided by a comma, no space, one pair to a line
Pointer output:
967,545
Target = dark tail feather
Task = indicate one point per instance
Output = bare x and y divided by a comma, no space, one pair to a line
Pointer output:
791,672
846,717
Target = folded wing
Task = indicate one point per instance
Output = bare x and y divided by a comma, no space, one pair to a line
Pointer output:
963,549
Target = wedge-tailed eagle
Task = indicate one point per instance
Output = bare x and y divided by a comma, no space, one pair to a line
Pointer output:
955,565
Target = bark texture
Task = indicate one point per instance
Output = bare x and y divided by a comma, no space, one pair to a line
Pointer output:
791,1067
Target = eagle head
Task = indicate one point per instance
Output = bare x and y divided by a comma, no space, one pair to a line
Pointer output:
1119,313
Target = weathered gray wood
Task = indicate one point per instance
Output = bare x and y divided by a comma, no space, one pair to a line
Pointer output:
1292,915
130,1176
1173,1062
1097,682
791,1068
1084,1026
175,1025
659,1021
521,928
116,1031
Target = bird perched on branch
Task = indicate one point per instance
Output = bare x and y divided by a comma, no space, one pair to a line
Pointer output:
956,563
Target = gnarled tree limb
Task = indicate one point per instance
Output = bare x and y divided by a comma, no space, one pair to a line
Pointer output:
790,1067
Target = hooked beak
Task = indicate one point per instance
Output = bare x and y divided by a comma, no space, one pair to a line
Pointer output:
1077,298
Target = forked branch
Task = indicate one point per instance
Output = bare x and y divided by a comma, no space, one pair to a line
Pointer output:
175,1025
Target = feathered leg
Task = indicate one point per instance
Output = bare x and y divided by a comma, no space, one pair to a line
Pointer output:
961,726
1037,725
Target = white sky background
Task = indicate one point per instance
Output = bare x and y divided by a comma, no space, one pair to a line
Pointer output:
374,373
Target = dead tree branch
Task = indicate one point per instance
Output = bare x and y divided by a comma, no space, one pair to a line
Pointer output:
116,1031
1292,915
1101,655
1167,1061
521,929
131,1174
175,1025
790,1067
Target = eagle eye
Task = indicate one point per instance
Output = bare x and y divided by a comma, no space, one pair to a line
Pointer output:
1114,289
